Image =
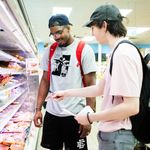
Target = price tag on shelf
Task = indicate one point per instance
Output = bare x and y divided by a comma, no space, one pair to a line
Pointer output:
32,66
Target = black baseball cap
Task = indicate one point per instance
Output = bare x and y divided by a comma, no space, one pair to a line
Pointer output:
106,12
58,20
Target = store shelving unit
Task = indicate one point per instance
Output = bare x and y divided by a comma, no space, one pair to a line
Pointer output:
31,142
4,120
11,101
6,88
17,95
6,57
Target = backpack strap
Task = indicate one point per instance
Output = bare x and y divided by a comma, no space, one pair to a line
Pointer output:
111,60
78,56
126,41
51,52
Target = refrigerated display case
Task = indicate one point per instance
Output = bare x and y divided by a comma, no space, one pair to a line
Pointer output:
18,84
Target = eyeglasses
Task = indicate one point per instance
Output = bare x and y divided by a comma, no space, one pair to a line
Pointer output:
57,33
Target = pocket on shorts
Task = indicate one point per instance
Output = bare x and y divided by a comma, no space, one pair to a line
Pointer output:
106,136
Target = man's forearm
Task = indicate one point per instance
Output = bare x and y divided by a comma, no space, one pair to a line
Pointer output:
91,80
42,94
91,102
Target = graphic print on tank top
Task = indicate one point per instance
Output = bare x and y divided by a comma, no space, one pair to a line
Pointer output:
61,65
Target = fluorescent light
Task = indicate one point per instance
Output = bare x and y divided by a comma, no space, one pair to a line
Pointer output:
133,31
13,26
62,10
125,12
25,45
9,16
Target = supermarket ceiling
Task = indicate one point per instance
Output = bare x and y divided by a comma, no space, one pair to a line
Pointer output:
39,12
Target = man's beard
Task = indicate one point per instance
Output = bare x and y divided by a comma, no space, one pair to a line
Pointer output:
63,45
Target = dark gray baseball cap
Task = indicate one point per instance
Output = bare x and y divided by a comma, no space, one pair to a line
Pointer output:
106,12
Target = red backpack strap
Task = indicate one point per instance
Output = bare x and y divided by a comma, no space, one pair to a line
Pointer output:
51,52
78,55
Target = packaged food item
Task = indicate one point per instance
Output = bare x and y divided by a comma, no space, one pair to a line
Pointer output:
4,79
14,65
4,147
16,147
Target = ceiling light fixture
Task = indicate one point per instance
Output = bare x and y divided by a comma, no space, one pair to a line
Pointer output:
62,10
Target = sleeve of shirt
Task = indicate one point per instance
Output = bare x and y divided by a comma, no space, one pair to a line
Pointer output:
45,60
124,78
88,60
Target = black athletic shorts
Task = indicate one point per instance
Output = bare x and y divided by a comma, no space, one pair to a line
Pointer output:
59,131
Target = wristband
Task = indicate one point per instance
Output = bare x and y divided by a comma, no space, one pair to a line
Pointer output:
88,117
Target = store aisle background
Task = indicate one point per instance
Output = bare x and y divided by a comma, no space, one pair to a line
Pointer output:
92,138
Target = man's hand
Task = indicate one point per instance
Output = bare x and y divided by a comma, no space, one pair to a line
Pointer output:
38,119
84,130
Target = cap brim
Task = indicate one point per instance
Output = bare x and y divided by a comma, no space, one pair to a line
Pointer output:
70,24
88,24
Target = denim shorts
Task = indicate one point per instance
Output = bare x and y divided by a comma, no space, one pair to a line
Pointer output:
117,140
